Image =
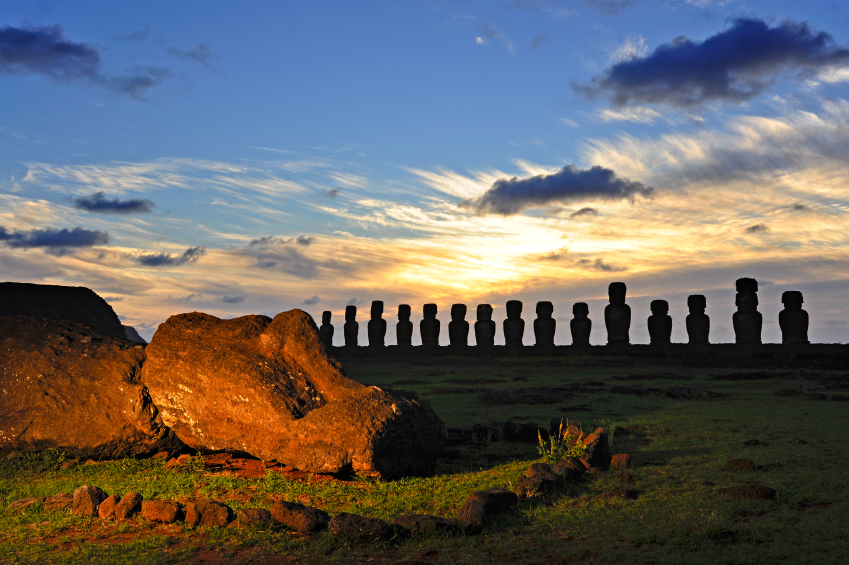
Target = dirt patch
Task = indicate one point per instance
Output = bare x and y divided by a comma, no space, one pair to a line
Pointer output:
678,393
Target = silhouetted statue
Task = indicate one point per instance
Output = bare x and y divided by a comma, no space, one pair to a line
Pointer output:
698,323
660,324
544,325
429,326
617,315
580,325
404,329
747,320
325,332
484,327
793,320
514,325
351,328
377,325
458,327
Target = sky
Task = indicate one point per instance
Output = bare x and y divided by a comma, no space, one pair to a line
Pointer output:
254,157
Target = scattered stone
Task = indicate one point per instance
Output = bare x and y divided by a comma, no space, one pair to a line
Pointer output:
571,468
87,500
519,379
752,491
740,465
496,499
253,518
106,511
24,503
299,518
422,524
61,501
353,526
69,464
627,492
800,441
171,463
539,479
473,516
128,507
620,461
163,455
626,478
209,513
595,471
184,459
598,449
754,442
161,511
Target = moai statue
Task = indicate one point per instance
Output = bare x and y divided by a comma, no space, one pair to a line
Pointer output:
617,315
325,332
580,325
377,325
404,329
698,323
544,325
352,328
514,325
660,324
793,320
747,320
429,327
484,327
458,327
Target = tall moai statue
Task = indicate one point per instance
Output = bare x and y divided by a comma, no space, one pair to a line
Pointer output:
793,320
404,329
514,325
458,327
377,325
484,327
698,323
429,326
617,315
580,325
747,320
325,332
352,328
545,325
660,324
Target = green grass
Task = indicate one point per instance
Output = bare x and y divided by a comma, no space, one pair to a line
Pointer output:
679,457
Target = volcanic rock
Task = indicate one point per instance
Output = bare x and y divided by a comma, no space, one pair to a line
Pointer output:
24,503
300,518
253,517
352,526
129,505
422,524
61,501
740,465
87,501
598,449
268,388
70,387
620,461
106,510
208,513
161,511
752,491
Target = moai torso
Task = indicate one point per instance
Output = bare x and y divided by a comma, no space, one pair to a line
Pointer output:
404,328
352,328
617,315
793,320
429,326
544,325
484,327
660,324
458,327
377,325
514,325
748,322
325,332
698,323
580,325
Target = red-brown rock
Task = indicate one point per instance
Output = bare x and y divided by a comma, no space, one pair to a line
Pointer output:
70,387
268,388
61,501
621,461
300,518
129,505
106,510
24,503
748,492
87,501
161,511
253,518
598,449
355,527
740,465
423,524
208,513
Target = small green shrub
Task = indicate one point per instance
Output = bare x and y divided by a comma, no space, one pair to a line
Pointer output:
559,446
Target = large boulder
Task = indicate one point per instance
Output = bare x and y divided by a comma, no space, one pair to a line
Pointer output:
267,387
67,386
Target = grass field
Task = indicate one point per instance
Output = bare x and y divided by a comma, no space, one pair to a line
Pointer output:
679,448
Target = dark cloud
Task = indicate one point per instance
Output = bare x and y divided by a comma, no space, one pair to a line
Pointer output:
304,240
45,51
113,298
58,242
584,212
610,7
330,192
539,41
272,252
270,240
99,204
569,184
311,301
757,228
138,35
599,265
798,207
200,53
190,255
554,255
355,302
233,299
732,66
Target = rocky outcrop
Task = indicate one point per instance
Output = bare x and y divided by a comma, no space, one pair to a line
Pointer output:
67,386
267,387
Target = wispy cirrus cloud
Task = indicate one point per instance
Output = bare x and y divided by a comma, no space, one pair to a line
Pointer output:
200,53
488,33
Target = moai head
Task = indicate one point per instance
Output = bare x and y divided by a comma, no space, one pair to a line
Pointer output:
616,292
747,295
484,312
697,303
514,309
580,310
430,311
792,300
325,317
458,312
404,312
545,309
376,309
660,307
350,313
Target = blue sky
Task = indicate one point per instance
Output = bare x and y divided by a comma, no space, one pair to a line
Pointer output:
263,156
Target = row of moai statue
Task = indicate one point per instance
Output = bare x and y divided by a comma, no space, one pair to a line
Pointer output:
747,321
